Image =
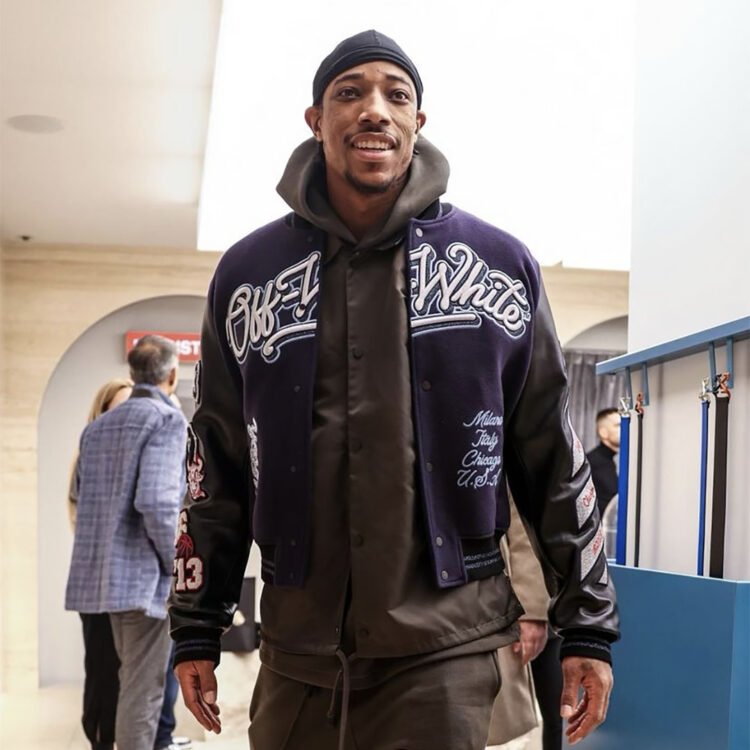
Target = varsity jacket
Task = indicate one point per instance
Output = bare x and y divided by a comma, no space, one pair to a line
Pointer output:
490,402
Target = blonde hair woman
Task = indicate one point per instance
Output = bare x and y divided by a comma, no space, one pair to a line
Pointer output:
101,663
111,394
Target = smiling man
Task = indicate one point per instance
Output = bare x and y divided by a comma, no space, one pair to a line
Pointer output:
377,367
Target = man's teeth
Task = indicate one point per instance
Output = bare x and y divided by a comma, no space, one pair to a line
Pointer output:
377,145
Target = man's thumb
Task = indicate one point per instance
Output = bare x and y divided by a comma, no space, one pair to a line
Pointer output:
207,680
569,697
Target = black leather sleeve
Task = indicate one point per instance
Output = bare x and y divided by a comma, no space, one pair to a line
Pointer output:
214,530
551,483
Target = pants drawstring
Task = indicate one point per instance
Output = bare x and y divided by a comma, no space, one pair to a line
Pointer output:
343,675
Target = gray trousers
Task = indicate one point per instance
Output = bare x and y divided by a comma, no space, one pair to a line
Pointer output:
143,645
443,705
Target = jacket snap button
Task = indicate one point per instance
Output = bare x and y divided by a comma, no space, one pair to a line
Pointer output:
297,388
444,575
418,232
358,540
357,353
292,469
429,466
292,542
356,445
426,385
439,541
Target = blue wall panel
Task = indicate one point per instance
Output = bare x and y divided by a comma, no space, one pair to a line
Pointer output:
682,667
739,717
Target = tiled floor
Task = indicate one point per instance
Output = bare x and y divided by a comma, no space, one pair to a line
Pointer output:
49,718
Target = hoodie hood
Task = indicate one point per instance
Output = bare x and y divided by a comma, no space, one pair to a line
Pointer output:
303,187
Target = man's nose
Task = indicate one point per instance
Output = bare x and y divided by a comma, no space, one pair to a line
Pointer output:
375,109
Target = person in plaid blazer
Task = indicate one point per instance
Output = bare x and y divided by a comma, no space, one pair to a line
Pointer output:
130,485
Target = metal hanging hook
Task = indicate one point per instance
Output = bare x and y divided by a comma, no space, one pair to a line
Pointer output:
639,404
721,386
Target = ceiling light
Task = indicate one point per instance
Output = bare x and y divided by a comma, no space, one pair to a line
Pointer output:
35,123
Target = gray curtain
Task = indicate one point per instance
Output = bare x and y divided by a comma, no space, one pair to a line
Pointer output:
590,392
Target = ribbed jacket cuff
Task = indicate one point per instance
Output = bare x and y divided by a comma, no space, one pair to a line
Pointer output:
589,643
194,644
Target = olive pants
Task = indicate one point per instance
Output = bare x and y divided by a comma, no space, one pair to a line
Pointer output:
443,705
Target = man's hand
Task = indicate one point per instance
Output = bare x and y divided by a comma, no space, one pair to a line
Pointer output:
198,685
533,640
595,678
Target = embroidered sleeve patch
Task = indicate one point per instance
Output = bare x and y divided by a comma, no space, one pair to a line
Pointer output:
252,434
591,552
578,455
194,466
197,383
188,567
585,502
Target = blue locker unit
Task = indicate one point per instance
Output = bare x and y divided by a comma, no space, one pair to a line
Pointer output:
682,668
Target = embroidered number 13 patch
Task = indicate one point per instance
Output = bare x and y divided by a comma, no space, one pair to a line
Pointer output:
189,574
188,567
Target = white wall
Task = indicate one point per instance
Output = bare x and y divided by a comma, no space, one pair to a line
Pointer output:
691,224
689,271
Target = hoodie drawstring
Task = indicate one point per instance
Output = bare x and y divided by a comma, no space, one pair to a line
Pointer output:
343,673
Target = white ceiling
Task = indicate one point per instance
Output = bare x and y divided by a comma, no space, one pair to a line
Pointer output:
131,82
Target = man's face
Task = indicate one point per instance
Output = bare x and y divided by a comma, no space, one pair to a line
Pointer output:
368,124
609,430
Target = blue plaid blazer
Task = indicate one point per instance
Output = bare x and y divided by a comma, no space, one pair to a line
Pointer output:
130,485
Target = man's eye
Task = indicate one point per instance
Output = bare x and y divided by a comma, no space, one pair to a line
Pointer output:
347,93
400,95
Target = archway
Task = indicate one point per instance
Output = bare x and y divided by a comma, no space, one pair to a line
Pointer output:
96,356
588,392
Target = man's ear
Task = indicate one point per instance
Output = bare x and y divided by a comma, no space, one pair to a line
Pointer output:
312,118
421,120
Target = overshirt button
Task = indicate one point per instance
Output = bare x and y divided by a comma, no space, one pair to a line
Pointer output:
358,540
429,466
444,575
418,232
297,388
364,632
357,353
439,541
426,385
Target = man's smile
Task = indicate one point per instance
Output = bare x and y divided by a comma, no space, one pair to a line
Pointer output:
373,145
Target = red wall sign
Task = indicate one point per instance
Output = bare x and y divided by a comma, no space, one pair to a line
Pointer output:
188,344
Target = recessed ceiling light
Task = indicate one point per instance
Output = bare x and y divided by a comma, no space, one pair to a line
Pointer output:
35,123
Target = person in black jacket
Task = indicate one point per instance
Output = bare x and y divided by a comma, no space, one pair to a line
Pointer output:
373,368
603,457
